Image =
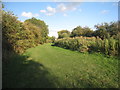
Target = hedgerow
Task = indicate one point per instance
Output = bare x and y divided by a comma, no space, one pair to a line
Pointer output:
19,36
90,44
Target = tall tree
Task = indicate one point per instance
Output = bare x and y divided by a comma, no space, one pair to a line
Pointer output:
78,31
87,32
106,30
41,25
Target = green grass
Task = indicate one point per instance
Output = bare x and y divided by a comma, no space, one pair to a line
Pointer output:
50,66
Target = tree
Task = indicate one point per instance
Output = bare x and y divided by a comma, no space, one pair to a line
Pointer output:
78,31
11,29
63,34
53,39
50,39
101,32
34,33
41,25
18,36
106,30
113,28
87,32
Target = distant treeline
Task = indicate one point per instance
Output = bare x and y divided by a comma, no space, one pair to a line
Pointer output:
105,39
104,30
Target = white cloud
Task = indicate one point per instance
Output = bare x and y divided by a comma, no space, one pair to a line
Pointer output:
25,14
67,7
74,9
104,11
29,14
60,8
51,10
64,14
43,11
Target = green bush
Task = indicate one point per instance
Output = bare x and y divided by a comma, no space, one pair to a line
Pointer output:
90,44
19,36
83,49
106,46
112,48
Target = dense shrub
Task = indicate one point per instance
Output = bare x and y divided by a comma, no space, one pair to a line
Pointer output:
19,36
106,46
90,44
83,49
112,46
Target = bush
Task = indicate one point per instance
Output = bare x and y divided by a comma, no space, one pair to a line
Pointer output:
91,44
106,46
19,36
83,49
112,48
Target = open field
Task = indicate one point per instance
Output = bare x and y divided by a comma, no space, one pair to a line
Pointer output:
50,66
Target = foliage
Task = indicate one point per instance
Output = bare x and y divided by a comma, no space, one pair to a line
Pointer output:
87,32
11,29
43,28
50,39
103,31
18,36
78,31
107,39
106,30
63,34
81,31
90,44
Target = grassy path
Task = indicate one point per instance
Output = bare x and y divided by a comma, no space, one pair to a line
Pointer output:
50,66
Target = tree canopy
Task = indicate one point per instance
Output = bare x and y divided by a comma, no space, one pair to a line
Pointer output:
43,28
63,34
18,36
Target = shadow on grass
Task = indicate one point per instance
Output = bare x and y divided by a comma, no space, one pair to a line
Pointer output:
22,73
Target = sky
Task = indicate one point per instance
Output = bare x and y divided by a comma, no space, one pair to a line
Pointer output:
65,15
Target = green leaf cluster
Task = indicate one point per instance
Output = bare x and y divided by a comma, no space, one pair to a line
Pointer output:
19,36
109,46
